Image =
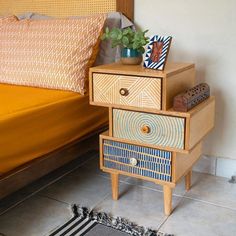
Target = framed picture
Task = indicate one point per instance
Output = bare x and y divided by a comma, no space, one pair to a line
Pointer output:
157,52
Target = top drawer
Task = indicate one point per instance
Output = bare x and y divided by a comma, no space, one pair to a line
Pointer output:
124,90
139,88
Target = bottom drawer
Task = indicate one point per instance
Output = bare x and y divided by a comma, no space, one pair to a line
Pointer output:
136,160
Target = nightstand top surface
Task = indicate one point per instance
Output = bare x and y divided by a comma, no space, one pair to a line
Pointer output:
118,68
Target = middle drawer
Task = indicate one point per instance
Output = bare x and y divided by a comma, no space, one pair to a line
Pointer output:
173,131
155,129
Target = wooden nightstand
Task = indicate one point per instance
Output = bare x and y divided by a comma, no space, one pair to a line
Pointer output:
146,138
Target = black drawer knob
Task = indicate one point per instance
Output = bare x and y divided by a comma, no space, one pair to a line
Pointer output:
124,92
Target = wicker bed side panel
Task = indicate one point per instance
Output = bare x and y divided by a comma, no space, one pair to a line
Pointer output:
57,8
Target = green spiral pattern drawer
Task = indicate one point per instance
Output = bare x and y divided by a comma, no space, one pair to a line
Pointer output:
161,130
138,160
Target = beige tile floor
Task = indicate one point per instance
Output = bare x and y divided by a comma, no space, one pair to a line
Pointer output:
209,208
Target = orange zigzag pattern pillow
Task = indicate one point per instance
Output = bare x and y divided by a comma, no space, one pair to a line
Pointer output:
52,54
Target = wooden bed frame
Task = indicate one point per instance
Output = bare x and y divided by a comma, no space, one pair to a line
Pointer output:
23,175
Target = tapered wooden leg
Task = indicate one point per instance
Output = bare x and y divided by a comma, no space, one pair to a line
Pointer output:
188,180
115,186
167,199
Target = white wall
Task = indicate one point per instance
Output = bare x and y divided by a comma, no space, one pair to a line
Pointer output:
204,32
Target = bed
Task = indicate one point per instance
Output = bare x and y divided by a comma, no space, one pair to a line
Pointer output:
42,129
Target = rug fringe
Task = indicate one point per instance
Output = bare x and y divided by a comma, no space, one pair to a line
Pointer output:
115,222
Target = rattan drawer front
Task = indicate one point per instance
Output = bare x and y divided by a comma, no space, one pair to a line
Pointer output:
109,89
138,160
161,130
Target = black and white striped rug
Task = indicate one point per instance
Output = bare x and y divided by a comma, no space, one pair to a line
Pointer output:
91,223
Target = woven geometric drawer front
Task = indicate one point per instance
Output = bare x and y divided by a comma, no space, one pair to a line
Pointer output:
137,160
166,131
127,90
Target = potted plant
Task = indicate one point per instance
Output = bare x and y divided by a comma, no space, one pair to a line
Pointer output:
132,43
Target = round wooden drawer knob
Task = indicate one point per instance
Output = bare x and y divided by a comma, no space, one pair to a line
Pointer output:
133,161
145,129
124,92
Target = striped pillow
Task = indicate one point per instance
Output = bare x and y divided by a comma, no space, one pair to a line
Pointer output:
52,54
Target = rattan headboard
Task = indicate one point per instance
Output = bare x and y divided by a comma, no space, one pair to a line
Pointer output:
63,8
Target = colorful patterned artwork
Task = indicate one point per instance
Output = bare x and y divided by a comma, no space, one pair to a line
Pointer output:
157,52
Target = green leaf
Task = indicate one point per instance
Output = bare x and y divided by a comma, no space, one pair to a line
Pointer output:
143,41
107,30
135,45
125,41
115,44
126,31
142,50
113,35
126,37
119,37
103,37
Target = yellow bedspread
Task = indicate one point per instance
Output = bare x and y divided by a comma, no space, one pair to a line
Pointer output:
35,121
